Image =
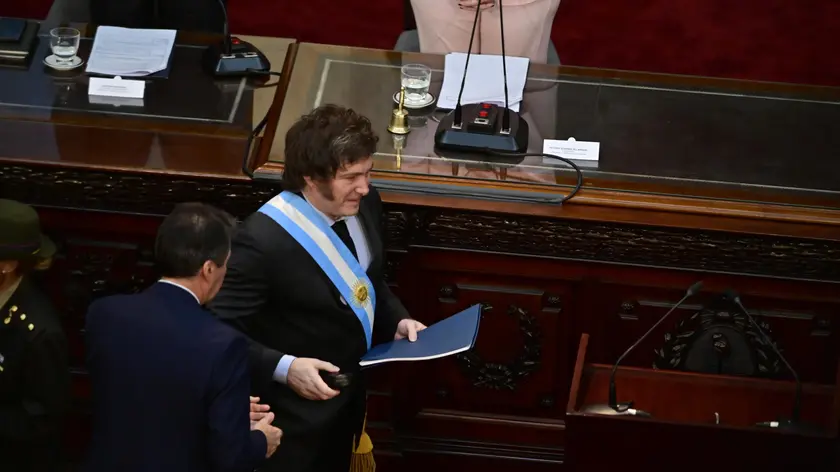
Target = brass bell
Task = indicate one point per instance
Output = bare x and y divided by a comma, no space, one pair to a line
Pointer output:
399,117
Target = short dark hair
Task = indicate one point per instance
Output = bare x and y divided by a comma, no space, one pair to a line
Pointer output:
191,235
322,142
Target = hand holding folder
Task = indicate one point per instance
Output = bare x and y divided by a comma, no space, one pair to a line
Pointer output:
447,337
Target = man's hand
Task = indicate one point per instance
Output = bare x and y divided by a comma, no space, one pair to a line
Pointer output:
408,328
258,410
272,434
304,378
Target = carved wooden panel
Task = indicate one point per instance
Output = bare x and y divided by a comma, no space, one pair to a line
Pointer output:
85,270
709,251
498,233
512,389
802,330
519,363
129,193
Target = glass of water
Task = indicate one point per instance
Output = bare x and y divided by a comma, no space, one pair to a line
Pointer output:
416,79
64,43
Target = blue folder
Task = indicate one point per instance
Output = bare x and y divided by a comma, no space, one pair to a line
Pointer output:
444,338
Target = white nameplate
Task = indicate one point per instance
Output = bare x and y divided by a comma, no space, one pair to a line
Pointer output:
116,87
571,149
115,101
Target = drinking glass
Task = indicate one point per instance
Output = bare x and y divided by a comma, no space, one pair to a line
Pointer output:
416,79
64,43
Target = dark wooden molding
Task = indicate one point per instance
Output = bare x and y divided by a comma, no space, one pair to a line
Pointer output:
412,226
698,249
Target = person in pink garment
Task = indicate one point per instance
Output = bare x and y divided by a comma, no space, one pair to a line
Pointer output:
444,26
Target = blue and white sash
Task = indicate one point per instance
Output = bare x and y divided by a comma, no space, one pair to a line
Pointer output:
312,232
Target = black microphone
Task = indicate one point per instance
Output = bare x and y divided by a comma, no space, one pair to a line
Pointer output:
233,57
613,407
787,424
480,127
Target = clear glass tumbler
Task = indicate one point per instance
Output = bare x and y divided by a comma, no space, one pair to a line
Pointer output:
416,79
64,43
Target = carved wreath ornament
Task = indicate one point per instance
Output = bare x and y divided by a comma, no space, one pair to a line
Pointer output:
498,376
724,330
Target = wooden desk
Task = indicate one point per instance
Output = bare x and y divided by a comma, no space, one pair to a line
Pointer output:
669,144
721,421
48,117
693,184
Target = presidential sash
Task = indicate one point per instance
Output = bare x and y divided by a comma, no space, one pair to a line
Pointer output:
311,231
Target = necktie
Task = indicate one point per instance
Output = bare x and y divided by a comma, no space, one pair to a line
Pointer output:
340,228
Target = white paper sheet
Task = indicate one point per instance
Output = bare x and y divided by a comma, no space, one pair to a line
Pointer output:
130,52
485,80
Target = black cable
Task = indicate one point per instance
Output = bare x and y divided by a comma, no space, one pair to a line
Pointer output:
251,137
260,126
263,72
570,163
457,116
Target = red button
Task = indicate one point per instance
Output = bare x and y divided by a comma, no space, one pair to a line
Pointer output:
482,114
485,105
235,40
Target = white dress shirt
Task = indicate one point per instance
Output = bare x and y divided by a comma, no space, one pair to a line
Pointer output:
182,287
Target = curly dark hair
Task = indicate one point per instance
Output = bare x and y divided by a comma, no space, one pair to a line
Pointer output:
323,141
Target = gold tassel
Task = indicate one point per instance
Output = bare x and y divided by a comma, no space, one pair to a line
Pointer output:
362,460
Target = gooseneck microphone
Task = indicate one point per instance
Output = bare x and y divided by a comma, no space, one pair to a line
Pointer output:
506,114
613,407
226,41
483,127
794,422
234,57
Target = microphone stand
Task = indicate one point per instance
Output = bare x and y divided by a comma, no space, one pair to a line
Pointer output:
477,127
457,120
792,424
234,57
506,116
613,408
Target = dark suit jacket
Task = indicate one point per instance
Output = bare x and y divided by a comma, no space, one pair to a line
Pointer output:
170,387
276,293
34,381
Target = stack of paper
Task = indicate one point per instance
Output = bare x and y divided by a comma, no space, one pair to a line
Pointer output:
130,52
485,80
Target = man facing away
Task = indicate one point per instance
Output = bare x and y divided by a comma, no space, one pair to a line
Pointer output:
170,382
306,284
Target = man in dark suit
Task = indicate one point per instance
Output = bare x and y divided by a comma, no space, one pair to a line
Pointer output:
188,15
34,375
170,382
306,284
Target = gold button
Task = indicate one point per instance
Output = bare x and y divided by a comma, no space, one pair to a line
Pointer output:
31,326
22,316
13,309
1,368
7,320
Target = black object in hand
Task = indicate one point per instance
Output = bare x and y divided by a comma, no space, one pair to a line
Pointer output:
336,380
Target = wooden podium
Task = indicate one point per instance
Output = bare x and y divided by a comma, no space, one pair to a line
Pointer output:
698,422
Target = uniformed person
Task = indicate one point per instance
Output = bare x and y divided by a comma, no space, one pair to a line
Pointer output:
34,375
